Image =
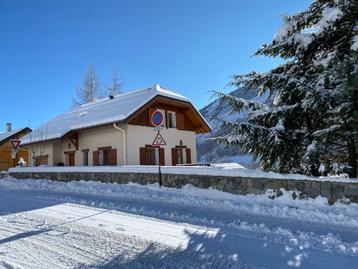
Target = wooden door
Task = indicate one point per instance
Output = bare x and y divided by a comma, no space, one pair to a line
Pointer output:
71,159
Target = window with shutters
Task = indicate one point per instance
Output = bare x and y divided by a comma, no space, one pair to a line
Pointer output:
104,157
172,122
150,155
41,160
153,154
181,155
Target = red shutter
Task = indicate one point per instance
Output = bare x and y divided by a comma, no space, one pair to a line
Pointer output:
174,156
96,157
142,156
188,156
161,156
113,157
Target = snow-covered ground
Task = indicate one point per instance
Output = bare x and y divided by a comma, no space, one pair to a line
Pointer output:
46,224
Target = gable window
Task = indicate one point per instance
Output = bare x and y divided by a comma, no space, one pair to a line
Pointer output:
171,119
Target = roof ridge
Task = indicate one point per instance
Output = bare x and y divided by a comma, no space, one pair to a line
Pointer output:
104,99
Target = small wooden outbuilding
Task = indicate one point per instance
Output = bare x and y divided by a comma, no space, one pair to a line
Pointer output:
6,160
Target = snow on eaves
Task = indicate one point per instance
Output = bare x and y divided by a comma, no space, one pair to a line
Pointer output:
100,112
7,135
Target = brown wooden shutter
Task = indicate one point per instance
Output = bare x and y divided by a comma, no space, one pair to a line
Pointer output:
150,112
174,156
180,121
96,157
188,155
113,157
143,156
161,156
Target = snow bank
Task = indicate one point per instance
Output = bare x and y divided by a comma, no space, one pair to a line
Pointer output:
285,206
228,169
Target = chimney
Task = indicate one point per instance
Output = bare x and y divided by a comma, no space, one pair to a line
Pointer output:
8,127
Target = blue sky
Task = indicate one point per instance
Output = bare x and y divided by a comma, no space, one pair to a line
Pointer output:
191,47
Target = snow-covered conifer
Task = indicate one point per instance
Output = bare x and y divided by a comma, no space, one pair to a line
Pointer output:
313,120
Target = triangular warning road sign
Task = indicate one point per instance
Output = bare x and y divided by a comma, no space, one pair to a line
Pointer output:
15,143
159,140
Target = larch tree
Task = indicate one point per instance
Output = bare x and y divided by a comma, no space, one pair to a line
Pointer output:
90,89
115,86
312,125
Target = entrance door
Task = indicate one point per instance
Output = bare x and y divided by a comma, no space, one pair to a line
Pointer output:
71,159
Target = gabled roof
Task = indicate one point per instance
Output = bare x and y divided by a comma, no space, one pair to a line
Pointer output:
4,137
101,112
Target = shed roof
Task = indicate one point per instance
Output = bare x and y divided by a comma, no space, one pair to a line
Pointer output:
4,137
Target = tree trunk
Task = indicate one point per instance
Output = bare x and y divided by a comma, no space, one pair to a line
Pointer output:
352,158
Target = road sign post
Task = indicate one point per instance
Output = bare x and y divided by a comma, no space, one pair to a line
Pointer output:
157,120
15,146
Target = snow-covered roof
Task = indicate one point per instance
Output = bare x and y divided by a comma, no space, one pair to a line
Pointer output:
8,135
100,112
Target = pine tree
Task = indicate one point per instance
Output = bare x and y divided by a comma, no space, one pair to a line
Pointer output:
90,89
115,87
313,92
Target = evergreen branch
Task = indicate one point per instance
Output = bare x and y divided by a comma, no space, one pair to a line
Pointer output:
239,104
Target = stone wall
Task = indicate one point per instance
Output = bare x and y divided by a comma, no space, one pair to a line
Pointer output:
237,185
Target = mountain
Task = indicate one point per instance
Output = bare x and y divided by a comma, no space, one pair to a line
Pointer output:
214,113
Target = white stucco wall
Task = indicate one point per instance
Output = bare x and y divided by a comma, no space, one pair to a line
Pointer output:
91,139
40,149
136,137
139,136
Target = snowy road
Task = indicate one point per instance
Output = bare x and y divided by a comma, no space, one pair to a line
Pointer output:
92,225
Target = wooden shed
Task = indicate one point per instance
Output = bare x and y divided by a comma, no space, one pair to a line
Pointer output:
6,147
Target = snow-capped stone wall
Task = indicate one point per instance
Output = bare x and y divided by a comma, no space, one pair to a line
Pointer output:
233,184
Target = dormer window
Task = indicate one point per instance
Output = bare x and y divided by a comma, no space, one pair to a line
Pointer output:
172,121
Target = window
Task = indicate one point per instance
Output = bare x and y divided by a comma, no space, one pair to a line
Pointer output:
171,119
153,156
40,160
85,157
104,157
150,155
181,155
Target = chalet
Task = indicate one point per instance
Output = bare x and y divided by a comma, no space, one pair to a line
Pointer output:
118,131
6,160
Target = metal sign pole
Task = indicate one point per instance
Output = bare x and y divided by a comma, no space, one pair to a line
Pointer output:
157,119
160,173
